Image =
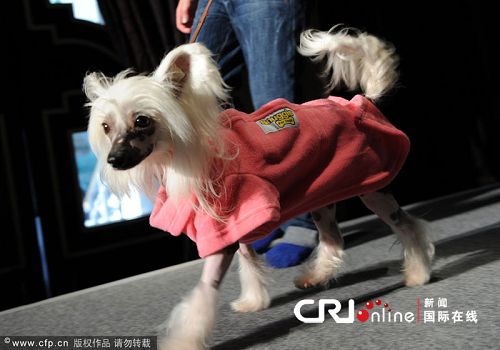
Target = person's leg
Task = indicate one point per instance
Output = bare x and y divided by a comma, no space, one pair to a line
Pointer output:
267,32
218,36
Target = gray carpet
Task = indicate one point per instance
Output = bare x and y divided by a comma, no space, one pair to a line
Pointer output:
466,231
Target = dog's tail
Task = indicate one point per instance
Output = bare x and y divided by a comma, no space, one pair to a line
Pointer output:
353,58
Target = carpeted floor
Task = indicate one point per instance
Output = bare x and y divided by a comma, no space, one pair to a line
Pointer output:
466,274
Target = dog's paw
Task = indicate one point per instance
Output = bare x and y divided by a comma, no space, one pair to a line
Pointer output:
311,280
323,265
417,266
416,274
414,279
251,304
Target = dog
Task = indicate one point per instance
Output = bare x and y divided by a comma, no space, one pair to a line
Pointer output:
227,178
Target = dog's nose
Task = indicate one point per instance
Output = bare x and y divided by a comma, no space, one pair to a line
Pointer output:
116,160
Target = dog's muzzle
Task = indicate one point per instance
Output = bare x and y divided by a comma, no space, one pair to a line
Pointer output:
124,156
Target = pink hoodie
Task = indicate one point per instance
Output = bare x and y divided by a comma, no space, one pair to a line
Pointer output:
292,159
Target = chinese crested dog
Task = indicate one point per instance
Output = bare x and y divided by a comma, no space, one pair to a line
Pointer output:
227,178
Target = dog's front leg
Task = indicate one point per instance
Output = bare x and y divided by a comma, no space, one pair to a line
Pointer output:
254,296
191,322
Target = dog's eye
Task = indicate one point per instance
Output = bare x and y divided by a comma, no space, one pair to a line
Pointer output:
105,127
141,121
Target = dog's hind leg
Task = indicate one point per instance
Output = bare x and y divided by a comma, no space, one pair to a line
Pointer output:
191,322
418,249
254,295
327,256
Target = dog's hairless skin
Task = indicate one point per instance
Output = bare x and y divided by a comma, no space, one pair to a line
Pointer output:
399,217
216,266
130,148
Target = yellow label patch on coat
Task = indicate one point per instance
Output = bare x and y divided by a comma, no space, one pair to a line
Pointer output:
279,120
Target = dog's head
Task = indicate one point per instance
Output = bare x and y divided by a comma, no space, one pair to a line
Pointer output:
130,113
135,117
124,124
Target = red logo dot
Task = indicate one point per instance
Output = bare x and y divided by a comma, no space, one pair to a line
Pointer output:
363,315
369,305
378,302
386,305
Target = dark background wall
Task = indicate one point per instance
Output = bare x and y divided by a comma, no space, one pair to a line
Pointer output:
447,93
446,103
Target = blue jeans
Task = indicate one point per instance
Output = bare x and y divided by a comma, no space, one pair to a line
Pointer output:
265,33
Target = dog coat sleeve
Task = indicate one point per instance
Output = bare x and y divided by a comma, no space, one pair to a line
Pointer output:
253,208
249,207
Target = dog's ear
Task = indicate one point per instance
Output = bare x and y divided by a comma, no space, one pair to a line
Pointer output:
190,69
174,68
94,85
